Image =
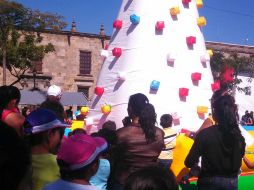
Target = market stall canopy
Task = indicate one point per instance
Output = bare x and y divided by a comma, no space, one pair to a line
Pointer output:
35,97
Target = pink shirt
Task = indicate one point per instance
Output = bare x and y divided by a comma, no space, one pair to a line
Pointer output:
6,112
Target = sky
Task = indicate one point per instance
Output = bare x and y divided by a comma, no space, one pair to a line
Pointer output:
228,21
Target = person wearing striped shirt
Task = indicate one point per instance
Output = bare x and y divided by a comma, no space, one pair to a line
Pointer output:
166,156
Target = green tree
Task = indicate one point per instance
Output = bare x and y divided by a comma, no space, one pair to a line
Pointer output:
20,38
241,64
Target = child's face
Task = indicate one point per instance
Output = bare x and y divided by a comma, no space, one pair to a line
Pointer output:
55,137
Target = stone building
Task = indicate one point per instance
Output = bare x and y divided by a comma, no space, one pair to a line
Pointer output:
74,65
76,62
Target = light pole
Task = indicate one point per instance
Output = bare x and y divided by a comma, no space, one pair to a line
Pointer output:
34,77
4,66
102,35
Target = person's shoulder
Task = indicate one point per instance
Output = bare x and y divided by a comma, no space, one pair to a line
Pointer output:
128,130
90,187
208,130
54,185
45,158
169,130
159,131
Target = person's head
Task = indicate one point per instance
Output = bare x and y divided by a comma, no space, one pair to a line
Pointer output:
152,178
110,125
225,112
108,135
54,93
9,96
77,131
136,104
25,111
43,128
78,156
246,112
15,160
147,120
54,106
166,120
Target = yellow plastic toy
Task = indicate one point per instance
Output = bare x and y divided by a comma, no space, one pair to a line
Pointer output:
249,153
201,21
202,109
210,52
199,4
250,156
84,110
182,148
106,109
174,11
77,125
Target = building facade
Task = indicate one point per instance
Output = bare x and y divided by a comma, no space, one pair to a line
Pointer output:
76,61
74,65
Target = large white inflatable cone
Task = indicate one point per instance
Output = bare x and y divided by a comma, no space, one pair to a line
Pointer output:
156,50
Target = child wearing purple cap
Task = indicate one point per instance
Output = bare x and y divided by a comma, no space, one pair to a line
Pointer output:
44,132
78,159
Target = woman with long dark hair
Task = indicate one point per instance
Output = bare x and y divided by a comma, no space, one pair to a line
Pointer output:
220,146
9,112
140,142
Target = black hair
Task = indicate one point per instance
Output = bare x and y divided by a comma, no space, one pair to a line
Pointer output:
111,125
151,178
107,134
54,106
166,120
8,93
39,138
136,104
15,159
77,131
24,110
69,175
147,122
225,113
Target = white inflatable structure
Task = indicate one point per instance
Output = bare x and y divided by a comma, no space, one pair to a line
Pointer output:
157,48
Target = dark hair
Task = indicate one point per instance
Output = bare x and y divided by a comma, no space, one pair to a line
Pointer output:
108,135
54,106
8,93
147,122
24,110
225,113
77,131
151,178
39,138
111,125
136,104
68,175
15,159
166,120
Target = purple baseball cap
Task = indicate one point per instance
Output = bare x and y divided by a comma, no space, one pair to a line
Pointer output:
80,150
41,120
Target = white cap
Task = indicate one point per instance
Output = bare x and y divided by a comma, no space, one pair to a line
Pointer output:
54,90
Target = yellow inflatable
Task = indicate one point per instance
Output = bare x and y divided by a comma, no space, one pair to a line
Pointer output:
77,125
183,146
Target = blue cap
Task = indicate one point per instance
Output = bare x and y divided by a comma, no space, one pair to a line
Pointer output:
41,120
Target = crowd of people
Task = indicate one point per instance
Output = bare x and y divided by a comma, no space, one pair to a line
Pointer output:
35,154
247,118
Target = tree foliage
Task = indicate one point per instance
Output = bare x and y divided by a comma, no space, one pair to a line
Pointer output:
20,40
242,64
